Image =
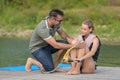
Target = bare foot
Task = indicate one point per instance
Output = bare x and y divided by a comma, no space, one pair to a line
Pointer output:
28,65
69,72
75,72
60,70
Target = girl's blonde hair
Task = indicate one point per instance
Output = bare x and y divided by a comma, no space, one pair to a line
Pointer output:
89,23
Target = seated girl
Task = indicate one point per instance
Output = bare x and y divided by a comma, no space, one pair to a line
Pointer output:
87,55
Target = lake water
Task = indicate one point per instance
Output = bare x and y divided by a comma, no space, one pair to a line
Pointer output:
14,51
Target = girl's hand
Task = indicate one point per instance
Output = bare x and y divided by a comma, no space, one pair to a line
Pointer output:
73,42
82,45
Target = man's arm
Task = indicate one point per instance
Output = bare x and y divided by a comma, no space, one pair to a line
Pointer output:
64,35
57,45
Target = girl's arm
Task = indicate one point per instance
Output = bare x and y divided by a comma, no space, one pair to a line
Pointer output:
93,50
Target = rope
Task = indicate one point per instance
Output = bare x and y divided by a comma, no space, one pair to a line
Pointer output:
47,72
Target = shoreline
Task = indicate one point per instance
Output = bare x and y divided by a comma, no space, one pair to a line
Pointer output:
28,33
18,34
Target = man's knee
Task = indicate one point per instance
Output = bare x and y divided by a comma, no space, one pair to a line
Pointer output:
48,67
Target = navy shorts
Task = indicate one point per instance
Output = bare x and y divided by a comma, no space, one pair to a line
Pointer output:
44,55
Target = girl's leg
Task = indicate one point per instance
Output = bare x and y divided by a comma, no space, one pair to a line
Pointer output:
88,65
31,61
73,64
80,53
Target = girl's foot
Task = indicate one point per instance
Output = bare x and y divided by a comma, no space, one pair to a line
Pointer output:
75,72
69,72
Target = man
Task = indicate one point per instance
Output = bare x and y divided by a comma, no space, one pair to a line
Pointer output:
43,44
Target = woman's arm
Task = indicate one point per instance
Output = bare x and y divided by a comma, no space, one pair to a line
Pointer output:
93,50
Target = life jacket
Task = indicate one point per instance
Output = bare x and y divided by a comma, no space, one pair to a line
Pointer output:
89,43
88,40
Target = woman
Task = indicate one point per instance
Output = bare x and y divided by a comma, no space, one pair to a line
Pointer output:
87,55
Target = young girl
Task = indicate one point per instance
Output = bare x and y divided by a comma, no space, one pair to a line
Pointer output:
87,55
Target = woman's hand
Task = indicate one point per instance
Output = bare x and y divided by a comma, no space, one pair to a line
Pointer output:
74,42
82,45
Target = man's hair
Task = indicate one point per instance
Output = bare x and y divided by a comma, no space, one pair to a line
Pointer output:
55,12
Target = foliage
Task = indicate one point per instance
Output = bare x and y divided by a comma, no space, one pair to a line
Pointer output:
21,15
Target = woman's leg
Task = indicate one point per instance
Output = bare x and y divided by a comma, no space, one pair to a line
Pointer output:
88,65
31,61
80,53
73,64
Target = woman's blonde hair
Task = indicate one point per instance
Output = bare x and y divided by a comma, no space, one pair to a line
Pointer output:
89,23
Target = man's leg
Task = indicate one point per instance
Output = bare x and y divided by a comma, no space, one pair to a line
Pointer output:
44,56
60,55
28,65
31,61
